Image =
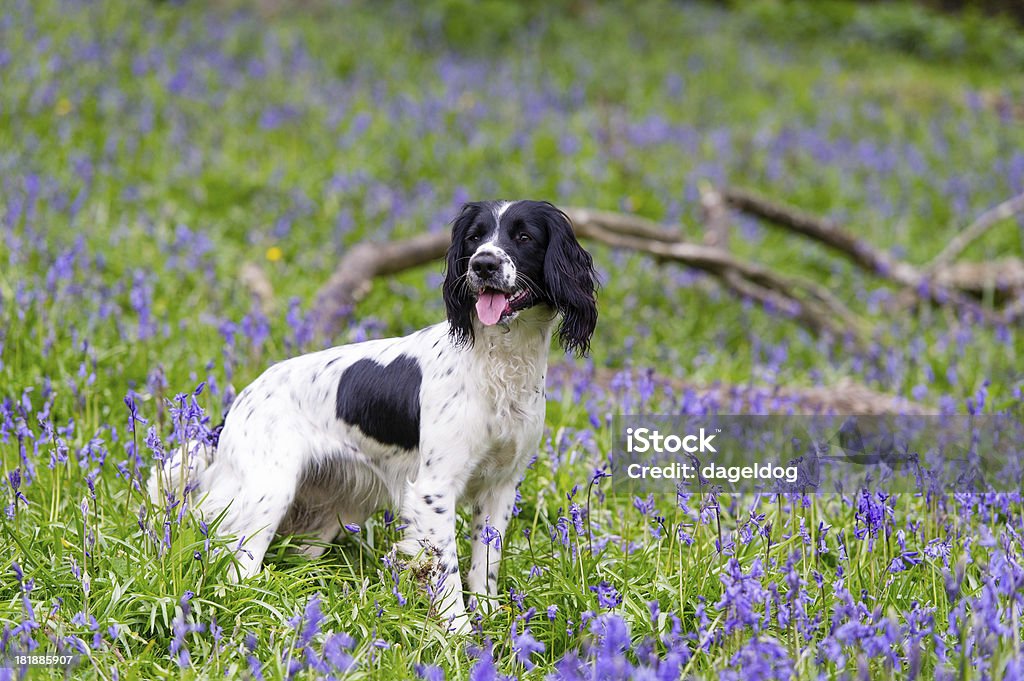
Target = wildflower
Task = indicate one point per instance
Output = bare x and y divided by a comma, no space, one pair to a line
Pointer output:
654,609
645,506
337,650
307,626
576,513
763,658
483,669
561,531
607,596
429,672
518,598
613,640
906,558
490,536
524,645
741,596
180,628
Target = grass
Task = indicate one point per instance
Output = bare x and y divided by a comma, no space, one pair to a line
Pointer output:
148,150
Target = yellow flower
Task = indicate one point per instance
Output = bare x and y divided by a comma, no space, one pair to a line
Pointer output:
274,254
63,107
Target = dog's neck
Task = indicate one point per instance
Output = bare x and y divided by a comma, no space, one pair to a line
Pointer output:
512,359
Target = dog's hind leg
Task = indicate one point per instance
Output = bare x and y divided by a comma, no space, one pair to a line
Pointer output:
257,498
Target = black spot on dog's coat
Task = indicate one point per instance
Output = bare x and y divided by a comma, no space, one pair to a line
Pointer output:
383,401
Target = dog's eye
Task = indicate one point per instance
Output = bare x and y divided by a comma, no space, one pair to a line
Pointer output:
473,237
523,237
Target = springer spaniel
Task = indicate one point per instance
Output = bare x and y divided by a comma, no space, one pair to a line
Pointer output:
453,411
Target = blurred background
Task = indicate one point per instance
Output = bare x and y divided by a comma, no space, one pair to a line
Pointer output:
155,156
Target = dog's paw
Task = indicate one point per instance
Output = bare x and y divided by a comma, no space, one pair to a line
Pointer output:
425,563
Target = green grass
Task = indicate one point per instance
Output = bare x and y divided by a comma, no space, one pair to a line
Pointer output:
309,129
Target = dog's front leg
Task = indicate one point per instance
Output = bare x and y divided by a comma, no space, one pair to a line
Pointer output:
492,509
429,516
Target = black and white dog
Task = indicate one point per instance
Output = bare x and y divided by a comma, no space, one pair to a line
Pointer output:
454,411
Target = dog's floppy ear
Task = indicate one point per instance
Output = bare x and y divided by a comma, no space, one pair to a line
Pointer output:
571,282
458,299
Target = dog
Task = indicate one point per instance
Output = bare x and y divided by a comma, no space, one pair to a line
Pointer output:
452,412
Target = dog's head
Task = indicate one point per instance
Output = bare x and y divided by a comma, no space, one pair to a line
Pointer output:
509,256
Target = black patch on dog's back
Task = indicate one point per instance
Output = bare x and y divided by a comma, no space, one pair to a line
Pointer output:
383,401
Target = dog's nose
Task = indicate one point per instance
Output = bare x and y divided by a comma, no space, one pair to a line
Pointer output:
485,265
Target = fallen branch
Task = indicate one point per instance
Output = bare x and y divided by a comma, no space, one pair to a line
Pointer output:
924,285
1001,278
822,230
808,302
812,304
354,275
976,230
622,224
715,216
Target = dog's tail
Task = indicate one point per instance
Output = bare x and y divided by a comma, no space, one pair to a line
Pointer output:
181,471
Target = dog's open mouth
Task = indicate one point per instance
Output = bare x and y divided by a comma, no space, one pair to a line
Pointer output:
493,306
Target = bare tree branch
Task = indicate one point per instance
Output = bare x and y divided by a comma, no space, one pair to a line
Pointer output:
1002,278
715,216
623,224
815,305
808,302
822,230
862,254
976,230
354,275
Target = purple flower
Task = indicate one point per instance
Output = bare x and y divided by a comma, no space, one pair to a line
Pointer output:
763,658
337,649
742,595
429,672
181,627
645,506
255,666
654,608
490,536
607,596
483,669
518,597
308,626
524,645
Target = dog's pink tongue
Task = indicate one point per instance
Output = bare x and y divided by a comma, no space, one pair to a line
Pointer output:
489,307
